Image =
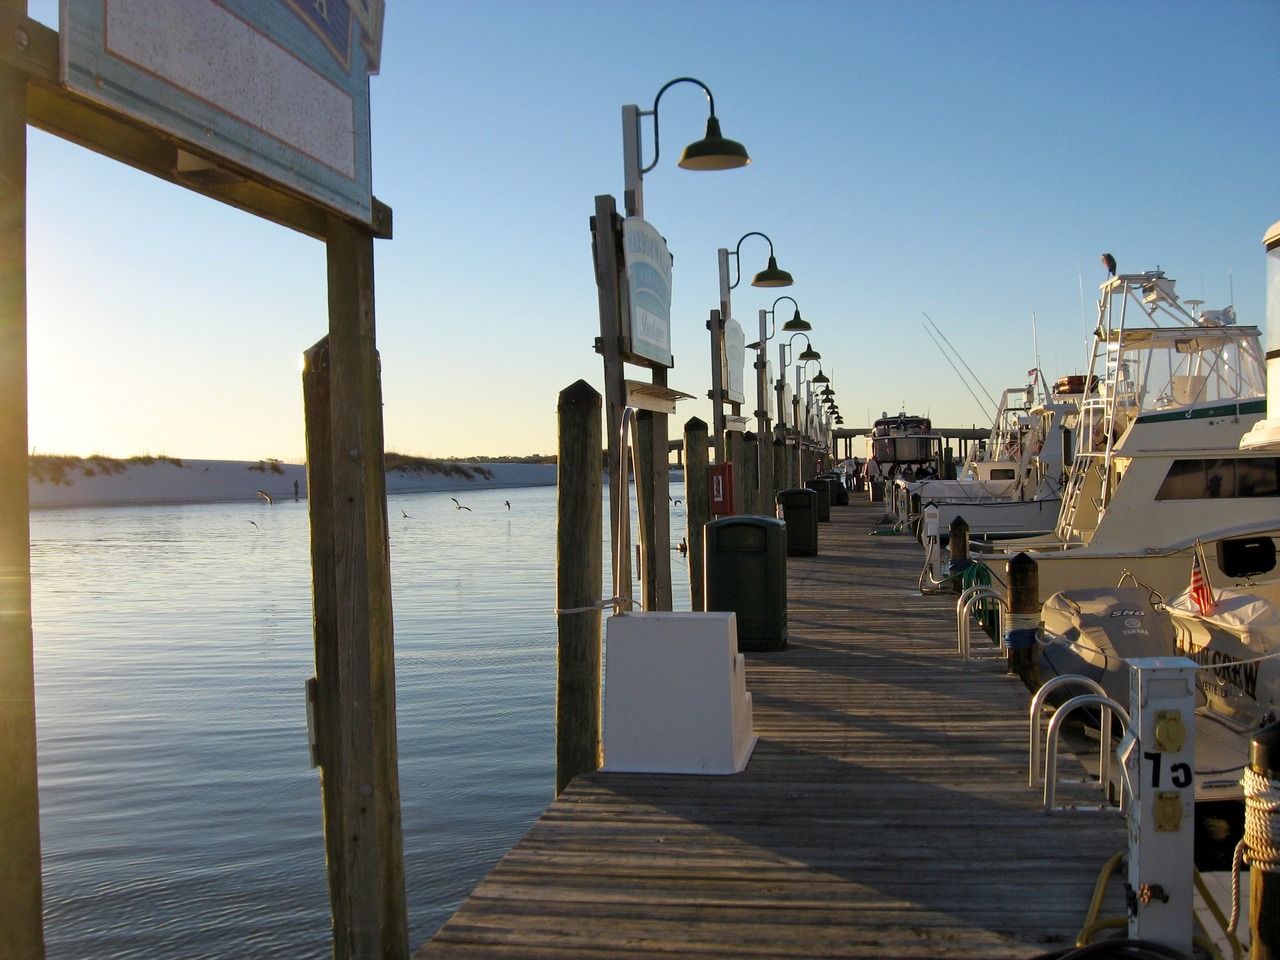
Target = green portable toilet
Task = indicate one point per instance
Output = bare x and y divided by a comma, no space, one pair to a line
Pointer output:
745,568
798,508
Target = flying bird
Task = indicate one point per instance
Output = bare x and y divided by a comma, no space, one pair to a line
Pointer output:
508,503
1109,262
263,495
405,515
459,506
256,527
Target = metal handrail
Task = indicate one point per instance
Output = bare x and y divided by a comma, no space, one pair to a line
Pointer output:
1038,709
964,606
1109,706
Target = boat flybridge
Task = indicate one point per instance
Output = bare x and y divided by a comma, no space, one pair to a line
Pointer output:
1158,465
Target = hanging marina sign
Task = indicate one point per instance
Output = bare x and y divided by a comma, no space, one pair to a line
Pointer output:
279,88
733,359
647,267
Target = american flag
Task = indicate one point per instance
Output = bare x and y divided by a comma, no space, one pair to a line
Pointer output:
1200,590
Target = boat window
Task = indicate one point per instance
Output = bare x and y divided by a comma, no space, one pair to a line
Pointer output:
1003,473
1228,477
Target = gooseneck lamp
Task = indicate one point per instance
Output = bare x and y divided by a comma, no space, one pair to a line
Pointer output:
712,152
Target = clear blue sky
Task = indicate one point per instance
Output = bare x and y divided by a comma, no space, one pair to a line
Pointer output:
968,159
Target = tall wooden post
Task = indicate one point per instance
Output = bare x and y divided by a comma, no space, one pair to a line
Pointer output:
1261,783
578,562
750,474
605,239
733,455
958,546
697,505
21,898
355,670
767,492
781,480
1024,620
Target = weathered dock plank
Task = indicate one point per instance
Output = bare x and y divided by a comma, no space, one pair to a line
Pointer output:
884,812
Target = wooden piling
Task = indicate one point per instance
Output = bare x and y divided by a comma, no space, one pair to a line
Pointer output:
1264,882
1024,614
21,904
579,534
768,489
781,474
750,485
697,505
355,666
733,455
958,546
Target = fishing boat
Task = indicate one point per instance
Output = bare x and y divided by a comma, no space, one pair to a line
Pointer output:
1233,634
899,446
1158,464
1010,484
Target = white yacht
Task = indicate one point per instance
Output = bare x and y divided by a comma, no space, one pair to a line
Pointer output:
1011,484
1158,465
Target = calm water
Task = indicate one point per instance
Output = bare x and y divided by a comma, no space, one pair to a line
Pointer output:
179,815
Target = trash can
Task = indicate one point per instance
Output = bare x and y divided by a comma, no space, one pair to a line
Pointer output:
839,492
823,489
745,572
799,510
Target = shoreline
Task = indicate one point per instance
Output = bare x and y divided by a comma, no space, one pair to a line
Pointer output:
154,481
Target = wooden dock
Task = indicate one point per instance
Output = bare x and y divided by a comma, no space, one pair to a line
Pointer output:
884,813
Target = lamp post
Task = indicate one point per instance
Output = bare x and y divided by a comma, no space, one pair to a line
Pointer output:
807,354
763,429
713,152
804,431
771,276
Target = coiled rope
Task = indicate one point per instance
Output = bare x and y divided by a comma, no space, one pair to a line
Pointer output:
1261,842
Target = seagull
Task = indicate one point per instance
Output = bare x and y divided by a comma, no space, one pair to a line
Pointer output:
508,503
1109,262
405,515
459,506
263,495
256,527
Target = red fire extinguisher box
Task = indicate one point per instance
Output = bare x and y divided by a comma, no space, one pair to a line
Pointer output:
720,480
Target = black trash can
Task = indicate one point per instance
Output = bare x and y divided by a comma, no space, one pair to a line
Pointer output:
745,568
820,486
839,492
799,510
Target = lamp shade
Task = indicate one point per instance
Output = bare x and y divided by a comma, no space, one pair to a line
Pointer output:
796,323
771,276
808,354
714,152
820,377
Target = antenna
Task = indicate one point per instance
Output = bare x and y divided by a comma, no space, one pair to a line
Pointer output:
990,399
976,398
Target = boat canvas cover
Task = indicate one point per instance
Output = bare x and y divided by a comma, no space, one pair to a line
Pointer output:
1091,632
1253,619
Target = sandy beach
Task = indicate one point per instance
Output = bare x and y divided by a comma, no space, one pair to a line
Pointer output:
100,482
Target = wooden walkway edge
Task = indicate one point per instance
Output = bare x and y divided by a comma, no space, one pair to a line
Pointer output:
885,811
